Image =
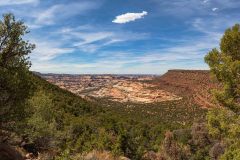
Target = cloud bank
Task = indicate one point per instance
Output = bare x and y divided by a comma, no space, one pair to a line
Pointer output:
128,17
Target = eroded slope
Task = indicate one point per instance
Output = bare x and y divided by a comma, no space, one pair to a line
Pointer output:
196,85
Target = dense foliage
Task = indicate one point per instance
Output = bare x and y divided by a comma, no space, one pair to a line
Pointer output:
224,124
225,65
61,122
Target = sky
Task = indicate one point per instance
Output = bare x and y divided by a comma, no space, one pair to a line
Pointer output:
122,36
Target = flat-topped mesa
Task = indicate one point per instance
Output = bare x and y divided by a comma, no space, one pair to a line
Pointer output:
191,83
187,71
182,76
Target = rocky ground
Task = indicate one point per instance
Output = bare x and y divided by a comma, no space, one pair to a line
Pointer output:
195,85
135,92
126,88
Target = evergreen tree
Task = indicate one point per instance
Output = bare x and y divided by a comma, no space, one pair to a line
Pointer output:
223,124
225,65
15,86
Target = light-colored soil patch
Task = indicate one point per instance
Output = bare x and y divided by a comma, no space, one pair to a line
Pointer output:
137,92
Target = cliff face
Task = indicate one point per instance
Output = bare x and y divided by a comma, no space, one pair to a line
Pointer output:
196,85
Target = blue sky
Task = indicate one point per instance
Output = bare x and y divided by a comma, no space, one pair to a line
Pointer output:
122,37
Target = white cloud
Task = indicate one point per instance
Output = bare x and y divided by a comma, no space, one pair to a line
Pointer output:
213,25
47,16
183,56
128,17
57,12
205,1
48,50
214,9
17,2
90,39
187,55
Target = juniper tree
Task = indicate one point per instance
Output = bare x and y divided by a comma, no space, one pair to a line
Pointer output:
15,85
225,65
223,124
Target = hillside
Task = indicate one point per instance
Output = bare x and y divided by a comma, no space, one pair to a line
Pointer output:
56,120
82,121
134,97
195,85
75,123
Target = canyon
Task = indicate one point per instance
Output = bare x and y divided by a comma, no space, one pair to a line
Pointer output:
193,85
120,88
